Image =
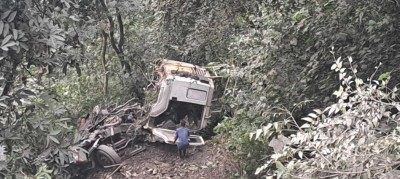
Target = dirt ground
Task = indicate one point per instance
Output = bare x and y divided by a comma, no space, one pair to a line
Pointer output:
162,161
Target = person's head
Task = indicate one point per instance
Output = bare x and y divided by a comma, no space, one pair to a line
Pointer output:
183,123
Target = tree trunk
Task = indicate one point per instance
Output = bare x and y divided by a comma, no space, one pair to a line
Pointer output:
118,49
104,62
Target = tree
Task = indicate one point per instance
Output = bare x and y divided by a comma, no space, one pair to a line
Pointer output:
35,38
280,58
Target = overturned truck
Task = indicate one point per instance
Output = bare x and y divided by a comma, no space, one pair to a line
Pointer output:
185,93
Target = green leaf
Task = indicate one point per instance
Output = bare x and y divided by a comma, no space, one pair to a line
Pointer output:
333,66
64,119
5,14
74,18
1,27
55,132
3,105
47,141
359,82
306,125
23,39
10,44
298,16
15,138
313,115
12,16
280,169
59,38
62,157
266,129
15,33
371,22
240,111
6,29
63,125
15,48
77,137
6,39
46,122
29,92
251,134
54,139
258,133
301,154
308,119
276,126
384,76
24,46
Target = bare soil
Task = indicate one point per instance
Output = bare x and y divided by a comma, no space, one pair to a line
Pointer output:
162,161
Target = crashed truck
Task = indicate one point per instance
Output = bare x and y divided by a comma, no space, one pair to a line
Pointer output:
184,93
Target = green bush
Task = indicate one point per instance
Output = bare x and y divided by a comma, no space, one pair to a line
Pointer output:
279,58
356,137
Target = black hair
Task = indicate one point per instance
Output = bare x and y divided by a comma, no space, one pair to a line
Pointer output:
183,123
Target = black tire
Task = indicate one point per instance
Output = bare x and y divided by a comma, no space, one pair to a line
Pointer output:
105,156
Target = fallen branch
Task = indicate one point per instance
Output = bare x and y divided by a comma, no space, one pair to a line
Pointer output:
121,106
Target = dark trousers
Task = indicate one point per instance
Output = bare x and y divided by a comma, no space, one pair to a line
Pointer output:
182,149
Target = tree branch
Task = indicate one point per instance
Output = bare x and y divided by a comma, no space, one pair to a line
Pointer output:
104,62
118,49
111,26
121,32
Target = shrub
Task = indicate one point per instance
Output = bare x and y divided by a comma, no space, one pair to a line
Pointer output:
357,136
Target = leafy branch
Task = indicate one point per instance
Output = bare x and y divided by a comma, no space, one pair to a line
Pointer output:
342,140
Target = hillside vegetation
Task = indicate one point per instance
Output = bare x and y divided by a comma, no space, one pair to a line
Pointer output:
307,89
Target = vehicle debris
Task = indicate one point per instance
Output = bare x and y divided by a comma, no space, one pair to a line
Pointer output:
105,134
185,93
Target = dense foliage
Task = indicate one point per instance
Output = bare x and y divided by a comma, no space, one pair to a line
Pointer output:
60,58
32,44
280,58
355,137
56,66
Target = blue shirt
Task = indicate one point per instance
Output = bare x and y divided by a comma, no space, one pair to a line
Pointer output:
183,135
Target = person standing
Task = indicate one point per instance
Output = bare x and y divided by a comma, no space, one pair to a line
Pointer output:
182,135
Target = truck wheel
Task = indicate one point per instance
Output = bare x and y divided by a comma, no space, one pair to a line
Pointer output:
105,156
